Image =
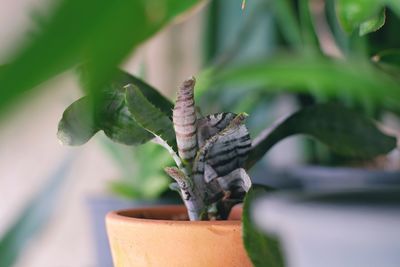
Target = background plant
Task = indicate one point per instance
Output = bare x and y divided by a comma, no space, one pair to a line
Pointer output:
142,174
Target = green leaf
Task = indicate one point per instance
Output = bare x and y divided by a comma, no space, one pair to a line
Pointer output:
319,76
395,6
352,13
77,124
124,189
148,116
120,78
153,120
33,217
101,33
341,129
84,118
286,18
263,250
373,24
108,111
364,15
307,26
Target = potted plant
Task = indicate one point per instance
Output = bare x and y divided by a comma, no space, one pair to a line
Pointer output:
212,155
320,75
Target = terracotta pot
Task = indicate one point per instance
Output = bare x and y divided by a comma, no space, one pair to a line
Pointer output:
161,236
99,206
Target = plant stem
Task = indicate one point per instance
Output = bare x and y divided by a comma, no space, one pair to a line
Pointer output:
190,196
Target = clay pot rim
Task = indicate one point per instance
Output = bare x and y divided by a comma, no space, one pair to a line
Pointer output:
127,216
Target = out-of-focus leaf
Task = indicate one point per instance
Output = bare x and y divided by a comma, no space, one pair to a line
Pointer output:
124,189
352,13
108,111
373,24
316,75
391,57
365,15
153,185
102,33
33,218
263,250
148,116
395,6
122,78
308,32
287,22
141,170
389,61
341,129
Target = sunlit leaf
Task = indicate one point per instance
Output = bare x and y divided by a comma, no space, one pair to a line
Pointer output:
352,13
364,15
373,24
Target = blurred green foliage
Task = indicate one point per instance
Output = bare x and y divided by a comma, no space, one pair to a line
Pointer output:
142,175
364,15
303,66
98,33
312,59
323,78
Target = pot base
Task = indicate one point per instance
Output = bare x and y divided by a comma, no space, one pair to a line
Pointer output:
136,240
